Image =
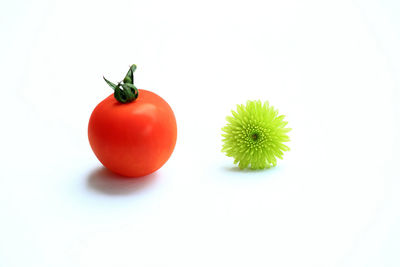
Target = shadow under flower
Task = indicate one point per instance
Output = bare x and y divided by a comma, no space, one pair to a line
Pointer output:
236,169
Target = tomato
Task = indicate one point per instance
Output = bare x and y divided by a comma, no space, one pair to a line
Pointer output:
135,138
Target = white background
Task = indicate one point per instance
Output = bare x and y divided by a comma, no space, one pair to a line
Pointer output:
332,67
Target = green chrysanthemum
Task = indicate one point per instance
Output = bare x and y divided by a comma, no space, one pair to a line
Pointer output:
255,134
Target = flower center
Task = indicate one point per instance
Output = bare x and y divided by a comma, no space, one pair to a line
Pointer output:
254,136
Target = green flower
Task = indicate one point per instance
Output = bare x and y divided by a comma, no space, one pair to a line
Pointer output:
254,136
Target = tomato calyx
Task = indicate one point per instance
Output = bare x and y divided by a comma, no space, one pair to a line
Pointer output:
125,91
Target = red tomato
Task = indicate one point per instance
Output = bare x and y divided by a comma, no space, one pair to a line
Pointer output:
133,139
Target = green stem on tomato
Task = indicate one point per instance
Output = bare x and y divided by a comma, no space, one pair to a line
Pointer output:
125,91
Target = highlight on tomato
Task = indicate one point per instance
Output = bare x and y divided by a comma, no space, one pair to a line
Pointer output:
133,131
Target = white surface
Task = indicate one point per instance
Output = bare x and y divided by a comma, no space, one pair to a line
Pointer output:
331,66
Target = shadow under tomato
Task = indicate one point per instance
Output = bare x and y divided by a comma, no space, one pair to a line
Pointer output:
104,181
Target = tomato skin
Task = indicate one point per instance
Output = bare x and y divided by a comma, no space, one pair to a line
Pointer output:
133,139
